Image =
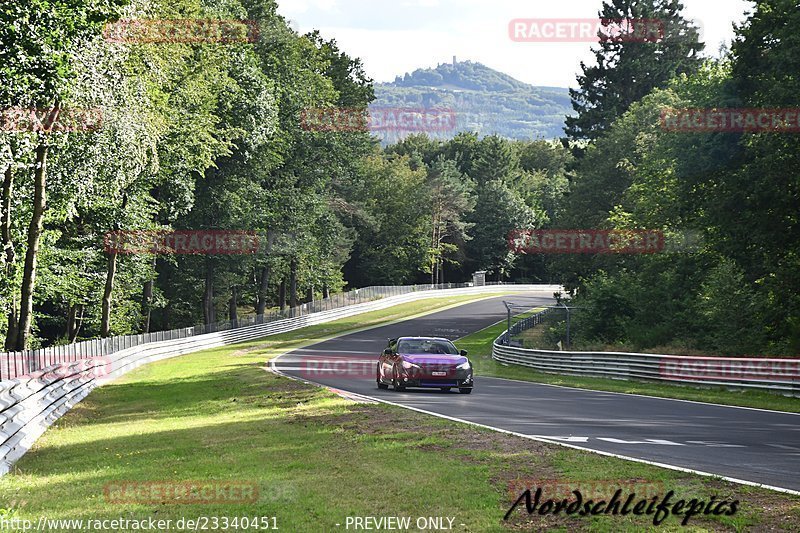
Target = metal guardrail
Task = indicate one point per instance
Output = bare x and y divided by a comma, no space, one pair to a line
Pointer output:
30,404
20,364
774,375
528,322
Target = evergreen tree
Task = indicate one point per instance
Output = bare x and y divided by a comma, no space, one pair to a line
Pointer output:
629,67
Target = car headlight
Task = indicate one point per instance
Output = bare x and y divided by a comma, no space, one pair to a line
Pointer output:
464,366
410,366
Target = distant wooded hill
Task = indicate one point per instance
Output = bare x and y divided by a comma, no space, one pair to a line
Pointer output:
484,101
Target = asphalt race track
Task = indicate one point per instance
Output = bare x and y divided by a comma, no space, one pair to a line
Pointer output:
744,444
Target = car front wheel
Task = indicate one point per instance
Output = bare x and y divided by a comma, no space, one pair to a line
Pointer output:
381,384
465,390
396,383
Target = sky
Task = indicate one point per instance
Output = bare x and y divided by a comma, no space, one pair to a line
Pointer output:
393,37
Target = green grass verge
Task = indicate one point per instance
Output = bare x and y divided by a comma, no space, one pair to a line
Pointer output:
479,345
317,458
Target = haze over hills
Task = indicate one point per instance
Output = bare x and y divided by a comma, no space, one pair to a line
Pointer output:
483,100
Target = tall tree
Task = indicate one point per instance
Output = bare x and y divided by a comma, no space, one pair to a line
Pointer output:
498,211
494,158
393,249
630,66
36,38
451,201
765,191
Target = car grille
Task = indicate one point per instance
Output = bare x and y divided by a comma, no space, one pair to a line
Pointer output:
443,383
449,370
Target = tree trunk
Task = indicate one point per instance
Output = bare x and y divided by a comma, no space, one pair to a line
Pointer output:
209,314
74,322
13,325
78,324
436,243
10,254
282,295
293,284
147,301
72,314
326,291
433,248
263,286
310,294
233,307
34,236
70,324
111,272
5,216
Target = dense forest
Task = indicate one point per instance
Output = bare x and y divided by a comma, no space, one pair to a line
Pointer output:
209,136
739,291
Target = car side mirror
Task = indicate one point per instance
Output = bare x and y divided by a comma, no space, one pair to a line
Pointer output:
387,351
464,353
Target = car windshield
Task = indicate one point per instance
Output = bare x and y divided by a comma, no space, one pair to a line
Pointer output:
426,346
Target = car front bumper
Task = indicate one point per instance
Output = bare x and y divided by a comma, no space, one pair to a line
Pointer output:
461,378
